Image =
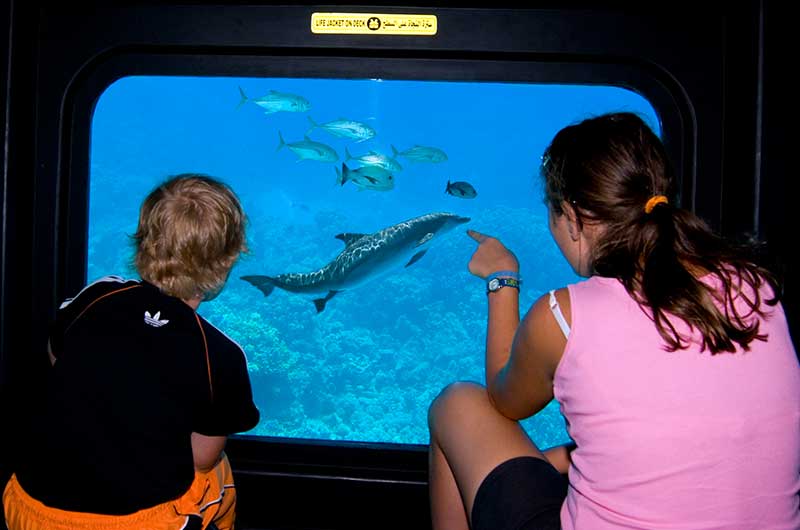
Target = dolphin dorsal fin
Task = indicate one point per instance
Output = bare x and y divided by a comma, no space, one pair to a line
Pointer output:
424,239
349,237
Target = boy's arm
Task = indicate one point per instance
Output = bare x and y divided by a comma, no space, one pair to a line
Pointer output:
207,450
50,354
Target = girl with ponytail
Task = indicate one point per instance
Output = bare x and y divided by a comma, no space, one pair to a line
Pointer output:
672,364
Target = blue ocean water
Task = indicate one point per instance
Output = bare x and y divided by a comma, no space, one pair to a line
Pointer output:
367,367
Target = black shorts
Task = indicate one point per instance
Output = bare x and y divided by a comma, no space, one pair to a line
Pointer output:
523,493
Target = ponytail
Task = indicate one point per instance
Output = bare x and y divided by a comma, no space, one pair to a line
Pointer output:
683,251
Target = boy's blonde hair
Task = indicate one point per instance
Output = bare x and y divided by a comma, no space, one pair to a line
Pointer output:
191,230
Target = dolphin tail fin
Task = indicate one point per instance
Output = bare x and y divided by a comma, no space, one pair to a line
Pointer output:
395,152
281,142
265,284
343,175
319,303
243,100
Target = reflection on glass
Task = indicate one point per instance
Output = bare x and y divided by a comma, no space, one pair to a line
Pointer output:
354,305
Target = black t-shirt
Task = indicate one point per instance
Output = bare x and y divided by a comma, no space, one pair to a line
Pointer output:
137,372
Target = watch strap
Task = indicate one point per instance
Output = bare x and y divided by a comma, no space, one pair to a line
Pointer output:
502,282
504,274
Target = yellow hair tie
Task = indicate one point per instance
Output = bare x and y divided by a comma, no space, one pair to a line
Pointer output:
653,201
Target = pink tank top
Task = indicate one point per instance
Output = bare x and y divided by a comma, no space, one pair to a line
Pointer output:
681,440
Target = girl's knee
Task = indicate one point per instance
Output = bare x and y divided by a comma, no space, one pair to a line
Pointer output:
456,396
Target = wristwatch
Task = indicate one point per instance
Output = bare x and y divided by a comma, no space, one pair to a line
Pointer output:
495,284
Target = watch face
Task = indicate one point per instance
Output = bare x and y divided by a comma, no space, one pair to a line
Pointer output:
494,284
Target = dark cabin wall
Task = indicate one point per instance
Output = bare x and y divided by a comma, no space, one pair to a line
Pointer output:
16,207
758,181
777,181
758,191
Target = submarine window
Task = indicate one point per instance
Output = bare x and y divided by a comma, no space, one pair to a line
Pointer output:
354,304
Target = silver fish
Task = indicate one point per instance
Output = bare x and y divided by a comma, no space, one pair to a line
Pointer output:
373,158
421,153
366,177
364,258
345,129
276,101
308,149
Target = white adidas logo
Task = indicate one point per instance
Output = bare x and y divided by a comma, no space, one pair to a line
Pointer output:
154,319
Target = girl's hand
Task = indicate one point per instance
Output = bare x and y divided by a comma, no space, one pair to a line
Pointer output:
490,256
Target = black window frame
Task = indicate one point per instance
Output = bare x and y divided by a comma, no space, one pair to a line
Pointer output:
686,69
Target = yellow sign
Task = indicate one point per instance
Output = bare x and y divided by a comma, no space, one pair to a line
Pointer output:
373,23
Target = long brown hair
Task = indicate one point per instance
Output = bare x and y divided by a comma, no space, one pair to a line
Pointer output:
607,168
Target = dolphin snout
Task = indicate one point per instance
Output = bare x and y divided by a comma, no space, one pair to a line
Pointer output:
462,220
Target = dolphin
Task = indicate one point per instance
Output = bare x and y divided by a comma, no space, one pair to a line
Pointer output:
364,258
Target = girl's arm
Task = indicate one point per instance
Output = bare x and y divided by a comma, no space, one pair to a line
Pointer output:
521,358
524,364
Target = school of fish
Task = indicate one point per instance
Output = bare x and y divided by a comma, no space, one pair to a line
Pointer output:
375,171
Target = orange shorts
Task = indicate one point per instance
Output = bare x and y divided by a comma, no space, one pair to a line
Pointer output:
212,497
